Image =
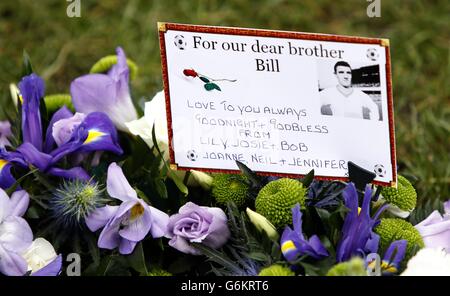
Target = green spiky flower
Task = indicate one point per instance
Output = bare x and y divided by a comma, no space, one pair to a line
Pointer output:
74,200
56,101
158,272
276,200
404,197
353,267
276,270
392,229
226,188
105,63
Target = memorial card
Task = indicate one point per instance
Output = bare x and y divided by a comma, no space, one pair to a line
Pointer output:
282,103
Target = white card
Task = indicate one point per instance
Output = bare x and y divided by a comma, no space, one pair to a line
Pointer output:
283,103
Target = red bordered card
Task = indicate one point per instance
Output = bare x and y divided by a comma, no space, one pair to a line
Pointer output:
283,103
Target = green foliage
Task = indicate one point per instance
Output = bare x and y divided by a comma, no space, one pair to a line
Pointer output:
427,207
246,252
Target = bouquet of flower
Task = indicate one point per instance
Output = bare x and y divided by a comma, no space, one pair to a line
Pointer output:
83,177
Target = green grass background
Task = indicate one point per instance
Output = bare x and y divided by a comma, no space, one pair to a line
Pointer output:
63,48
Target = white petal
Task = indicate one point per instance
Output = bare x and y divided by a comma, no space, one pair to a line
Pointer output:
429,262
39,254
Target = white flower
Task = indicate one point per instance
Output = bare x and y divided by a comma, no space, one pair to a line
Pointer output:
155,113
429,262
14,93
200,178
262,224
39,254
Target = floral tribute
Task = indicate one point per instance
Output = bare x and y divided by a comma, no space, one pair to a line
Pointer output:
86,173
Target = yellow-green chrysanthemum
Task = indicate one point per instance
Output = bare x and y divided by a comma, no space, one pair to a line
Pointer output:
276,270
276,200
105,63
392,229
226,188
404,197
158,272
56,101
354,267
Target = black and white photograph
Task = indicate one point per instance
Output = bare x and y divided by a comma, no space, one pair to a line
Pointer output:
350,89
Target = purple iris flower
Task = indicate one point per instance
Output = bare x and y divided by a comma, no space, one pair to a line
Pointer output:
107,93
93,132
294,243
15,233
63,129
32,91
61,114
7,161
358,237
392,258
5,133
126,225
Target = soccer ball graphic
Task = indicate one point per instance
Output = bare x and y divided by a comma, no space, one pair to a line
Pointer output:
379,170
180,42
192,155
372,54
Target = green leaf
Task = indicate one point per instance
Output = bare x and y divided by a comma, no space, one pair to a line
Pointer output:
217,257
32,213
204,79
13,188
142,195
116,266
258,256
172,175
161,188
94,251
27,68
252,176
210,86
137,259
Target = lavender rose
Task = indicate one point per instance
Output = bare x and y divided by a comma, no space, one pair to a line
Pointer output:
195,224
435,229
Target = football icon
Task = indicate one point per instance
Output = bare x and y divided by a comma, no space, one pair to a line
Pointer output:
180,42
192,155
372,54
379,170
